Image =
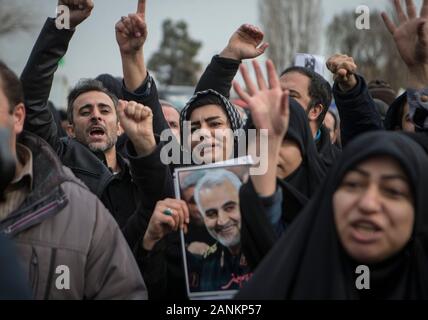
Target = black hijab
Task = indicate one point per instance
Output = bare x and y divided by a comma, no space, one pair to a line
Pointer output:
395,113
328,152
308,262
258,235
304,181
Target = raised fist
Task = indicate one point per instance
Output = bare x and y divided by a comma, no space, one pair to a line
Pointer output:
79,10
245,43
343,69
137,122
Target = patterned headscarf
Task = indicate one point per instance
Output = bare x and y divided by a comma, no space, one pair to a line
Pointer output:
203,98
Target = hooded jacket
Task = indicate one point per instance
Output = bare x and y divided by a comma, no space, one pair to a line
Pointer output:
63,229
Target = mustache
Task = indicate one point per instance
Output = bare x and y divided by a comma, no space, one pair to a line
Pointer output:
228,225
96,126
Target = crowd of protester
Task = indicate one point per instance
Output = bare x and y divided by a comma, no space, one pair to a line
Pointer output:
90,189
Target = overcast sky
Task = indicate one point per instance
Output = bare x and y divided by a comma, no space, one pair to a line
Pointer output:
93,49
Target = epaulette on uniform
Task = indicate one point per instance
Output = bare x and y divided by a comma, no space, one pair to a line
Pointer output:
212,249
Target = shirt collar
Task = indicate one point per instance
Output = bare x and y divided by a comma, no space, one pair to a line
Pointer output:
318,136
25,157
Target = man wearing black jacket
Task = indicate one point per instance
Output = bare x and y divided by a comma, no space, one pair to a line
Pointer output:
129,187
357,109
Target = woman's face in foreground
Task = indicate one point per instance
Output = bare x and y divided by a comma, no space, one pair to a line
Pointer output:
212,137
373,210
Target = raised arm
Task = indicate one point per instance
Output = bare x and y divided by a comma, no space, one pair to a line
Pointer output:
131,34
38,74
269,107
245,43
261,198
411,39
356,107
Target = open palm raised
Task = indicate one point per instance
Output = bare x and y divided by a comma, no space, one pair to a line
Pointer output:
268,104
411,33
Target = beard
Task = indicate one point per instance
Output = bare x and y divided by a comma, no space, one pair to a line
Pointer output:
102,146
97,146
226,242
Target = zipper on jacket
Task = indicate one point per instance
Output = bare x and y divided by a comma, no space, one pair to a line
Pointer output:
28,219
34,271
51,273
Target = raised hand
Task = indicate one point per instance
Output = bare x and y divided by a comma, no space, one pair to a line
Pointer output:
80,10
169,215
411,36
131,31
245,43
269,105
270,110
343,69
137,122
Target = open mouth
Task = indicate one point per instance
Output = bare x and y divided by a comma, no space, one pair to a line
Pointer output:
97,132
207,148
365,231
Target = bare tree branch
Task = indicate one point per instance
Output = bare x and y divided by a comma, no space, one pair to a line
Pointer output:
14,18
290,27
373,50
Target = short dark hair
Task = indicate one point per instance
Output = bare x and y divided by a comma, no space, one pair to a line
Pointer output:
83,86
319,90
11,86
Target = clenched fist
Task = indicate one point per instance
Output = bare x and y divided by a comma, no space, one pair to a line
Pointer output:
343,69
245,43
80,10
137,122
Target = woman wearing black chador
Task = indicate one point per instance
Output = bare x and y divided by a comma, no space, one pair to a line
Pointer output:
372,210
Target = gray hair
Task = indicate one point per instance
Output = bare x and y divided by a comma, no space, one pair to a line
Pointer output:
192,179
165,103
215,178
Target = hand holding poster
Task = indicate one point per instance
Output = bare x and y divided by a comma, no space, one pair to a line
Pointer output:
214,264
